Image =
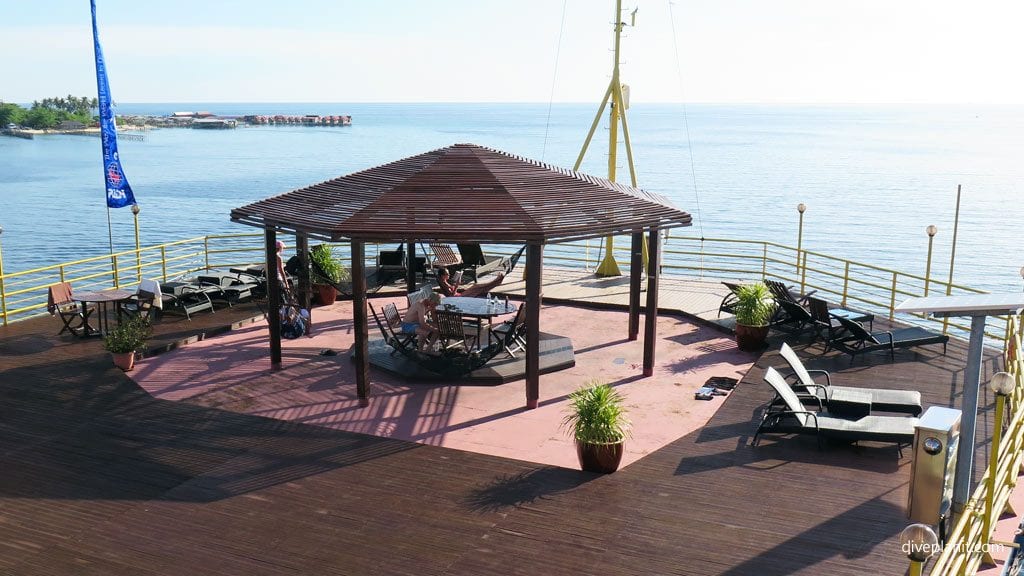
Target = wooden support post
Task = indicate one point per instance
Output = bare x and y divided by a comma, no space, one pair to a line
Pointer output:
305,286
410,272
360,323
273,297
635,272
534,259
651,319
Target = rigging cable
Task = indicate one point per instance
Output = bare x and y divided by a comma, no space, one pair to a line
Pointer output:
686,125
554,77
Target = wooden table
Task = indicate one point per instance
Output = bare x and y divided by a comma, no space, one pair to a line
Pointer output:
102,298
477,309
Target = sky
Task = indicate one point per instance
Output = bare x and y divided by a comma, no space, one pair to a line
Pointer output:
721,51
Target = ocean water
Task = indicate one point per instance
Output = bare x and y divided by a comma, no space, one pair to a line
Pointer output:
872,177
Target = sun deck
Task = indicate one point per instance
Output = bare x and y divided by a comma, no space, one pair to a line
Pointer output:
100,477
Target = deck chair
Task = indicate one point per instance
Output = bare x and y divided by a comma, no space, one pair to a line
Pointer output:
477,264
234,288
860,341
781,292
391,263
811,391
826,320
792,318
402,343
451,331
60,303
512,334
444,256
147,302
186,298
514,259
795,419
728,304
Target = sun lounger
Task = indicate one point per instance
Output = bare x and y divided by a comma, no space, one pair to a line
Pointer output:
795,419
810,391
861,341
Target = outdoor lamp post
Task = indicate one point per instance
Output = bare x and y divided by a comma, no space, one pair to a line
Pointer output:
138,257
932,231
1002,386
918,542
801,208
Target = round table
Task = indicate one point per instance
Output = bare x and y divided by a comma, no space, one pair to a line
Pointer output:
477,308
102,298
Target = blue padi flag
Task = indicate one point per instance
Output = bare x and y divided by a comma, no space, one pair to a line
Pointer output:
119,192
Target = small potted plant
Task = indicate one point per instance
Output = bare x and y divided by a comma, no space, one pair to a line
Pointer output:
126,339
599,425
753,309
323,257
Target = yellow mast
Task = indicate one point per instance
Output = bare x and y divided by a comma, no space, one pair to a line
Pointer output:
616,94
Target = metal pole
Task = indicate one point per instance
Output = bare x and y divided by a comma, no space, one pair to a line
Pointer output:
3,295
915,568
972,383
138,256
931,230
801,207
993,465
952,256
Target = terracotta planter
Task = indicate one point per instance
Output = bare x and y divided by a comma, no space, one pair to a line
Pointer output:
603,458
751,338
124,360
326,294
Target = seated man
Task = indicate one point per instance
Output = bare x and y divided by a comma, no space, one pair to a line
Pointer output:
449,288
415,321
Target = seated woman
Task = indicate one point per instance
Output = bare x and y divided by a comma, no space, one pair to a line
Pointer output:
416,322
449,288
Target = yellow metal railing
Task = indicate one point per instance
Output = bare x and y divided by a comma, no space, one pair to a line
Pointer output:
970,541
847,282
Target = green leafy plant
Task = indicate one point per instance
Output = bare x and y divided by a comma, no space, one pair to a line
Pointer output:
129,336
754,305
323,256
596,415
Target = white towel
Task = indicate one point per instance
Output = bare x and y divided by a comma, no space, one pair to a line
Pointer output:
153,287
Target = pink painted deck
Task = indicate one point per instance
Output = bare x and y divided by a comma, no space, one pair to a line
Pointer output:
233,372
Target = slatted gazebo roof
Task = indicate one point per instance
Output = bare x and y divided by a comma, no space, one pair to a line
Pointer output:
464,192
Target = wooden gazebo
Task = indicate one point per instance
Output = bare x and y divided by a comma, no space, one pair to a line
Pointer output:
467,192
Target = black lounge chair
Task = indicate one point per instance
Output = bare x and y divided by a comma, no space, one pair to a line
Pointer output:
810,391
476,263
826,320
728,304
391,264
860,341
792,318
445,257
795,419
185,297
782,292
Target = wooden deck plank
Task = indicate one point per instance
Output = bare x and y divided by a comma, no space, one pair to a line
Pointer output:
100,478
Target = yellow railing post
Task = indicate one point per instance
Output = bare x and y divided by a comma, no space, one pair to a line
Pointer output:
116,271
206,251
892,299
931,230
846,282
803,275
801,208
138,255
764,260
3,295
163,261
993,464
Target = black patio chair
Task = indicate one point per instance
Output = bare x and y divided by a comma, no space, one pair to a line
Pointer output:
728,304
809,390
476,263
794,418
511,334
404,344
186,298
860,341
391,264
792,318
781,292
451,331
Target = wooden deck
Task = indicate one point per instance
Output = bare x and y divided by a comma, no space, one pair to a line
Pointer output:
100,478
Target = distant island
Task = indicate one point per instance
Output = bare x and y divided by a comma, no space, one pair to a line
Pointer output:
75,115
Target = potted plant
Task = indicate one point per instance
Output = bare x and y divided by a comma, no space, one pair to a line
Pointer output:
599,425
126,339
322,256
753,309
